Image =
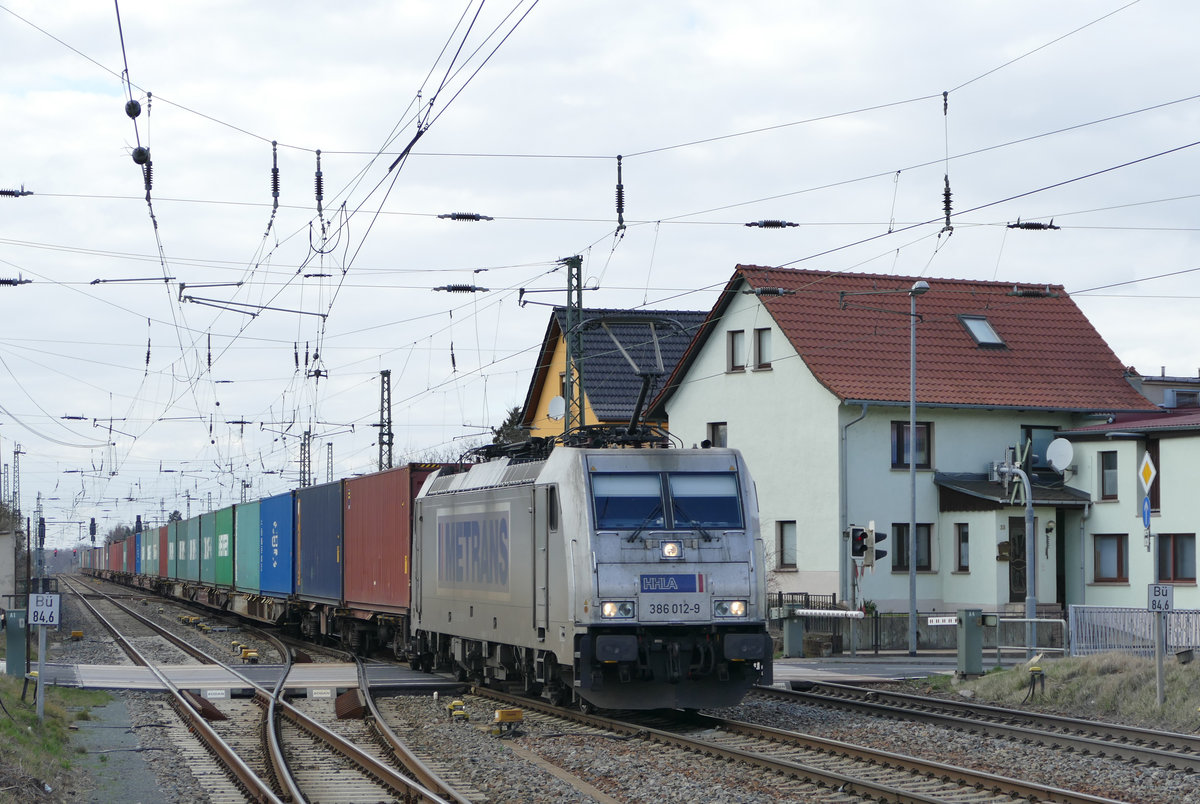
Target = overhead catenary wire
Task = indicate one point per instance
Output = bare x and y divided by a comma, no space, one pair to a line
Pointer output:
658,228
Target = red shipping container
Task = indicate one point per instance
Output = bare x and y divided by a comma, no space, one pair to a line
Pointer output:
130,554
378,537
162,552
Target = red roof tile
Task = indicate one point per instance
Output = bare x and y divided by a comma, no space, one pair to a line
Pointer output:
857,346
1143,424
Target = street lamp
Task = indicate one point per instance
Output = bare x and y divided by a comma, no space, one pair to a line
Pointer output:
919,288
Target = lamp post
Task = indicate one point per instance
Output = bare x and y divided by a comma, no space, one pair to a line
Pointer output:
920,287
917,289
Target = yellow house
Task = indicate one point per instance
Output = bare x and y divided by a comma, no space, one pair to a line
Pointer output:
619,347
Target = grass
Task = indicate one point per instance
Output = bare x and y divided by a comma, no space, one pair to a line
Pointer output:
35,754
1109,686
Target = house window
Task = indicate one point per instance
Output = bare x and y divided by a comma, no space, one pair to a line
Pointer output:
762,348
962,547
1037,441
900,559
900,445
1108,475
1177,557
786,538
735,358
981,330
1111,557
1181,398
718,434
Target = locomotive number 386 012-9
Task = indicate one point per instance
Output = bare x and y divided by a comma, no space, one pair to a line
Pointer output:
674,608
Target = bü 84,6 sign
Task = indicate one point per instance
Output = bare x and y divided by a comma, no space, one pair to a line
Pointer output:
43,610
1160,597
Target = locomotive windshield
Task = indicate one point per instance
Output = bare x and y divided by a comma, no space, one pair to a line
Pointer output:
636,501
625,501
705,501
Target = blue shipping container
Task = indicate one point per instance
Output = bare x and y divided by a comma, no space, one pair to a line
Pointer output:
276,539
137,553
319,543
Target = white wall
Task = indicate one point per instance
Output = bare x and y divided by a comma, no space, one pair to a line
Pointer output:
964,440
789,428
785,424
1179,476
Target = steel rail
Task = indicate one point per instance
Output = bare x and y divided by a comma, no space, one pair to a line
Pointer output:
966,776
254,786
865,701
420,771
275,706
853,785
387,775
1183,743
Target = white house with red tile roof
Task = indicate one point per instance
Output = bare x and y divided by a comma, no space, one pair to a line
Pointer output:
1112,560
807,372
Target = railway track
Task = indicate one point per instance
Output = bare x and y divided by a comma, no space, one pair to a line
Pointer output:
293,757
804,767
1090,738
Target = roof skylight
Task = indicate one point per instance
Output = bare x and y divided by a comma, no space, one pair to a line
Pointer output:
981,330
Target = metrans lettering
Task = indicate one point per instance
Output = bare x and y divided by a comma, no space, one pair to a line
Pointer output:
672,583
473,551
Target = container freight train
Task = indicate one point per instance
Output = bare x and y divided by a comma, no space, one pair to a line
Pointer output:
613,578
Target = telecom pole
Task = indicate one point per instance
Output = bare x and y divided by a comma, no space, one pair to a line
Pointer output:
16,482
573,338
385,419
306,459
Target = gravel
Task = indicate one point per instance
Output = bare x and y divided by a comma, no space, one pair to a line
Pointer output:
630,770
1085,774
606,769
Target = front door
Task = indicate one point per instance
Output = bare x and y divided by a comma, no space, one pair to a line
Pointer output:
1017,565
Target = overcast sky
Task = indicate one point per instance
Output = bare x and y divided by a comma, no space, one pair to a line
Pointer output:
127,394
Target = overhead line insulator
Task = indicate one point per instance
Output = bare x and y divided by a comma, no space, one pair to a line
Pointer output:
1020,224
466,216
772,224
620,196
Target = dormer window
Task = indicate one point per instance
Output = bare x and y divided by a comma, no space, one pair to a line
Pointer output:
981,330
1181,398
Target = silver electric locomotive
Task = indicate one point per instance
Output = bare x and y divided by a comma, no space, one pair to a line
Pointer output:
613,578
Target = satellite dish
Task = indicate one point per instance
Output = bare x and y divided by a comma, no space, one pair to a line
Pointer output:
558,408
1060,453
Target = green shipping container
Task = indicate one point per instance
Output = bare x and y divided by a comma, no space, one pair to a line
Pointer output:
208,552
225,534
149,557
191,561
246,547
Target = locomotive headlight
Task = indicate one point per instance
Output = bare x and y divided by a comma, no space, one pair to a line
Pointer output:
616,609
671,549
729,608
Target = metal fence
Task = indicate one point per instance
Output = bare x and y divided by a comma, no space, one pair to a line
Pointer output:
801,600
1099,629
